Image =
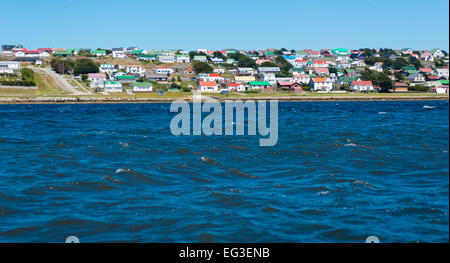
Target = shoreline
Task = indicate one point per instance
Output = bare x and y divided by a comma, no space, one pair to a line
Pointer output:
87,100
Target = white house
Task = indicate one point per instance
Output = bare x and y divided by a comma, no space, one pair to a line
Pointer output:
9,66
362,86
183,59
208,86
166,59
442,72
359,64
416,78
97,77
245,71
270,77
164,70
135,69
437,53
219,70
210,77
321,84
118,53
304,79
112,86
142,87
217,60
200,58
236,87
108,68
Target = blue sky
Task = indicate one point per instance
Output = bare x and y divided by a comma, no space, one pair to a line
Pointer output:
243,24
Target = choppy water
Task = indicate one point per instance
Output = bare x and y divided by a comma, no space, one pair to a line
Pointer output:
341,171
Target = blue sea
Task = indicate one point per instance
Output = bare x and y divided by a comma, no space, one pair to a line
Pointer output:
340,172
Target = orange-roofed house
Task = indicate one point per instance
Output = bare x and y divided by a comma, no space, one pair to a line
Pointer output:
362,86
208,86
321,84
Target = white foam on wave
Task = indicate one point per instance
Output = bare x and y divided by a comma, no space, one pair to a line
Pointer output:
428,107
382,113
350,144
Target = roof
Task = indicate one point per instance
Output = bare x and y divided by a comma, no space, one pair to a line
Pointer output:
142,84
319,79
126,77
260,83
96,75
208,83
362,83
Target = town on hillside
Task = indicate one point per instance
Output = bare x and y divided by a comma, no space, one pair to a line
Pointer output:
134,70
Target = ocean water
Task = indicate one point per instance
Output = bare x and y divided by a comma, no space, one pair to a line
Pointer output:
341,171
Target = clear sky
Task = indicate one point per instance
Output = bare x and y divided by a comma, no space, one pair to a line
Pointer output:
241,24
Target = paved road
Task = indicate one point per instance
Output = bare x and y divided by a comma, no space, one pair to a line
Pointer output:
62,82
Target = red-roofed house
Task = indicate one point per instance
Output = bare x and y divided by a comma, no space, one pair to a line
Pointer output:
302,78
208,86
321,71
362,86
427,70
290,86
236,87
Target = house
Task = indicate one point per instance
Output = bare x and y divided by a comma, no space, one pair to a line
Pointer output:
9,66
290,86
440,90
236,87
437,53
260,85
182,58
166,58
416,78
442,72
245,71
268,70
99,53
362,86
118,53
321,71
219,70
302,78
126,78
29,60
200,58
341,52
244,79
407,51
164,70
427,56
134,69
112,86
29,53
426,70
107,68
299,63
96,77
10,49
358,64
400,87
320,64
208,86
217,60
321,84
209,77
142,87
158,77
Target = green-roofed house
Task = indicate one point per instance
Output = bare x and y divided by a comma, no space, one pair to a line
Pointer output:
126,79
147,57
347,80
99,53
142,87
341,52
409,68
62,54
260,85
437,53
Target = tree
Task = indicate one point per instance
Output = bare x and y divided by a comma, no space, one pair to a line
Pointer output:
218,54
202,67
378,79
399,63
85,66
62,66
332,69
